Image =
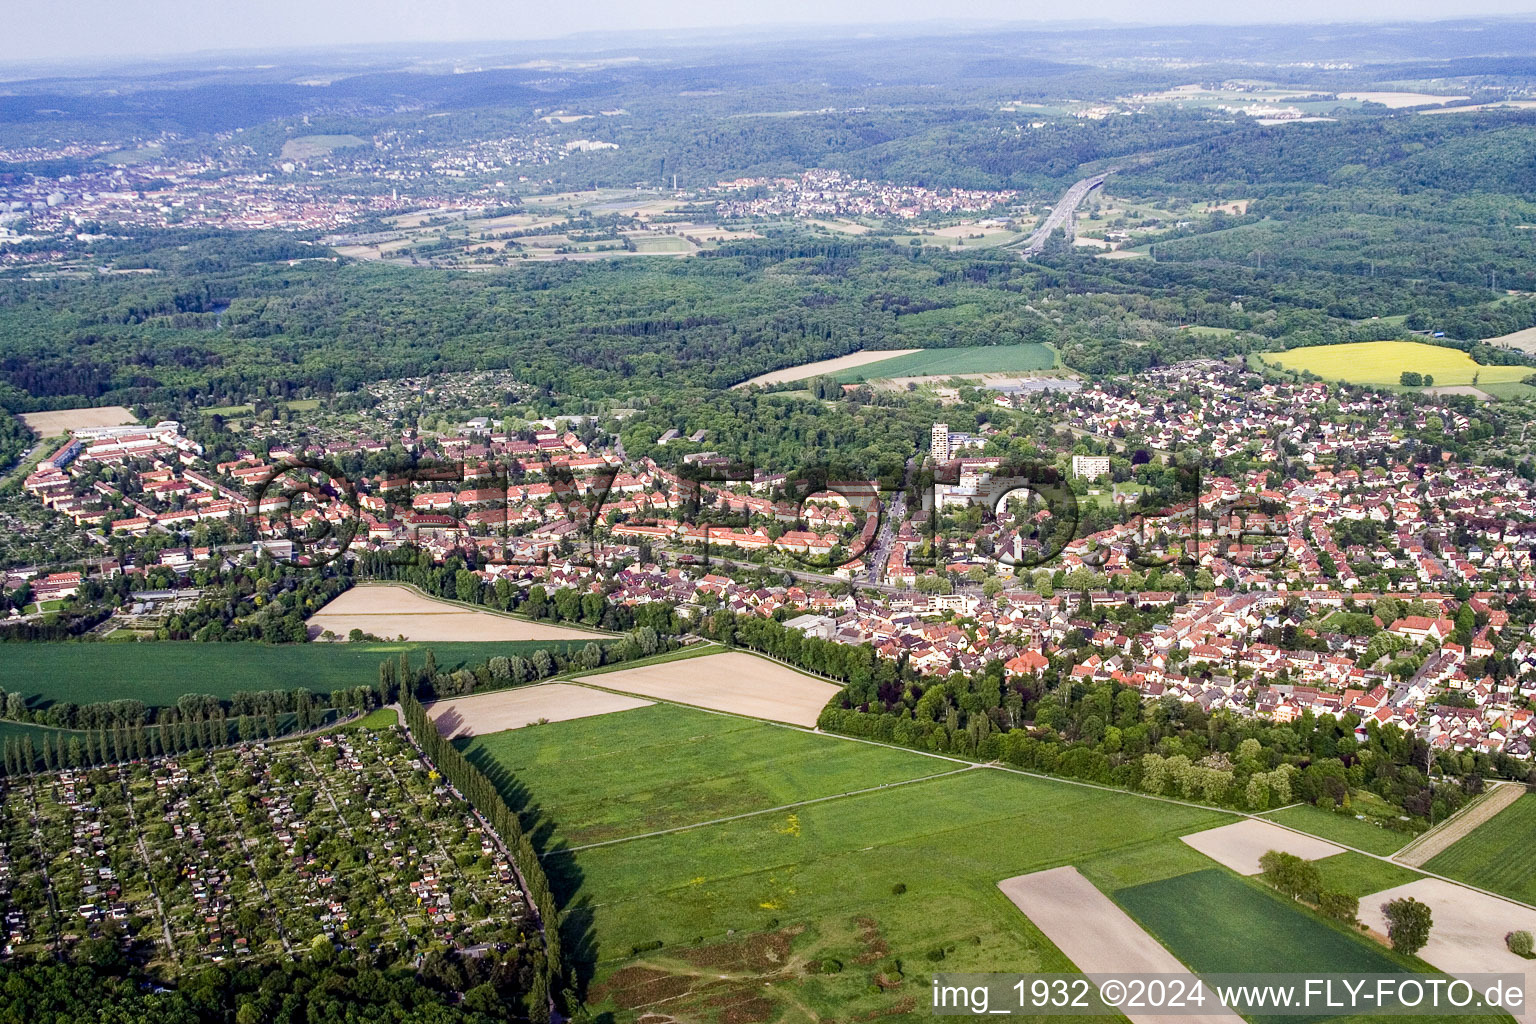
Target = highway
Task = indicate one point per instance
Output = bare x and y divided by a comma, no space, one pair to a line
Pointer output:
1061,214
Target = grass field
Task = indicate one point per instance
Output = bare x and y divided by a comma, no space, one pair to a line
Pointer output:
1498,855
306,147
889,886
142,155
378,718
297,405
1341,828
662,243
1508,390
159,672
679,767
1359,875
947,361
1382,363
1217,923
835,908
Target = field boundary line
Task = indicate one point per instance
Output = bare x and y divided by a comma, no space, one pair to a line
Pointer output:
1459,825
765,810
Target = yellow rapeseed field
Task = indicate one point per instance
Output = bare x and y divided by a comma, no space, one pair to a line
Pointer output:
1383,363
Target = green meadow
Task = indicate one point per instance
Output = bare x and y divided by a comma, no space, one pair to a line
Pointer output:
1344,829
839,907
1498,855
680,767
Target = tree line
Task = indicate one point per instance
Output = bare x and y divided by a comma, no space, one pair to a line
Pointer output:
1107,733
548,988
397,676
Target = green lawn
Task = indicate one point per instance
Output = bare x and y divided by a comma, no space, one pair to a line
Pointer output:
1508,390
1499,854
678,768
159,672
1359,875
307,147
297,405
379,718
942,361
662,243
883,887
144,154
1341,828
1217,923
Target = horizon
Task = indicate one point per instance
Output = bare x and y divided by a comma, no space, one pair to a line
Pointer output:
95,34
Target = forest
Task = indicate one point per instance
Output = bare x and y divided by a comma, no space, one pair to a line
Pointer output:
645,327
101,985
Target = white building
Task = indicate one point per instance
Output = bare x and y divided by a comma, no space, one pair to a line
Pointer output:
939,447
1090,467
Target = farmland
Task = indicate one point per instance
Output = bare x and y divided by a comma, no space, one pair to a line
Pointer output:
397,611
1359,875
547,227
820,366
709,861
1524,341
734,682
517,708
1242,844
1087,926
851,881
1218,923
62,421
827,900
966,361
1474,813
159,672
1382,364
1498,855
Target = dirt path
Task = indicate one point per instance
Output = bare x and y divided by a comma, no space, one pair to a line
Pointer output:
246,842
41,848
149,871
1439,839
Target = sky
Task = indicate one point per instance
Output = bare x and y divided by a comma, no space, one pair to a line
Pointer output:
48,30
